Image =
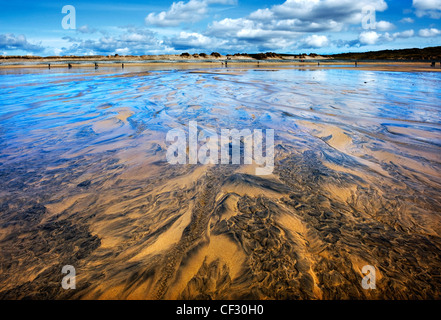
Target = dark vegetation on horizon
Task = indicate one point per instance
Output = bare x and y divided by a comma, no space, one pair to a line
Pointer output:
414,54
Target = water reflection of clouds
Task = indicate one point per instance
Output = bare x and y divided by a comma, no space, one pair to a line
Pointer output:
319,75
240,99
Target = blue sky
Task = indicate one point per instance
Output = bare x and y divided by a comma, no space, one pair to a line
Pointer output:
226,26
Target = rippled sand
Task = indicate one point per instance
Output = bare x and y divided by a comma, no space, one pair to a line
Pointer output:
85,182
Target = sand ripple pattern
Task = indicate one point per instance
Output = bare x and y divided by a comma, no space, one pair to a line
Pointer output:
85,182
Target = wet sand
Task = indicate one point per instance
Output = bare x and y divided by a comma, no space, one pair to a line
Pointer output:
85,182
307,64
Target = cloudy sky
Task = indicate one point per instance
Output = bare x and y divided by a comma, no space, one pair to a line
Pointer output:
226,26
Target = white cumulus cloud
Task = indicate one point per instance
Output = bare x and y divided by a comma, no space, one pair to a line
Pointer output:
193,40
404,34
431,8
286,23
316,41
11,41
131,40
183,12
384,26
427,33
369,37
407,20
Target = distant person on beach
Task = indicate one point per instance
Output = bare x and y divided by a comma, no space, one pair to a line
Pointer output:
96,65
433,65
49,65
356,63
69,65
122,65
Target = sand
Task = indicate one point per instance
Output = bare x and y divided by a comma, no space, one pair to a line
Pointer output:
356,182
191,64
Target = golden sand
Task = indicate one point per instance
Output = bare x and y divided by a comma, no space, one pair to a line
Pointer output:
353,185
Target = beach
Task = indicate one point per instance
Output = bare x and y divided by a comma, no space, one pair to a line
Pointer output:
177,62
86,182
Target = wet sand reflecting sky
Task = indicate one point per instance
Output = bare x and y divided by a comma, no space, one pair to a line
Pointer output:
85,182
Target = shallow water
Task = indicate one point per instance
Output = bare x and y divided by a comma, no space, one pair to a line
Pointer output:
85,182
